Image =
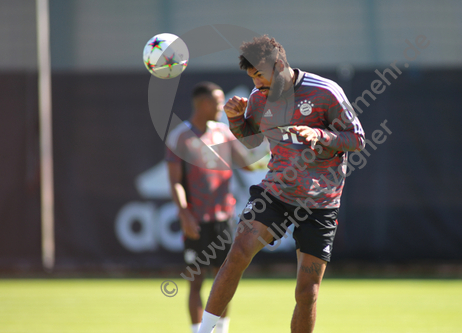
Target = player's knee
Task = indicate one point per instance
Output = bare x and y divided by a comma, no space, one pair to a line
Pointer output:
239,256
196,285
307,294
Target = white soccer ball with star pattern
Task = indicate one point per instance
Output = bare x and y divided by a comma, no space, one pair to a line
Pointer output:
166,56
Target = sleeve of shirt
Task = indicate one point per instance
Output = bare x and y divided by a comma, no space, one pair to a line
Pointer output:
170,156
344,132
171,146
246,128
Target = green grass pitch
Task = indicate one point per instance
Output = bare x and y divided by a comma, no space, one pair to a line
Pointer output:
133,305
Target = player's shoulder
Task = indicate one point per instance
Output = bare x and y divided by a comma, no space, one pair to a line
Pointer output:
177,134
256,103
256,96
315,79
219,127
330,87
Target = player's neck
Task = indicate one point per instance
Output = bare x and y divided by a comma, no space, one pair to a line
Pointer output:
293,78
198,122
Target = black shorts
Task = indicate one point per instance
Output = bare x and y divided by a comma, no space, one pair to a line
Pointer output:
314,232
215,240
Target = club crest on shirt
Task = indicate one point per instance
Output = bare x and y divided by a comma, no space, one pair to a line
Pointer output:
248,207
305,107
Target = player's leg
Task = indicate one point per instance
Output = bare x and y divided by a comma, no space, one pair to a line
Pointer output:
192,249
223,322
314,238
195,302
222,229
310,271
245,246
251,236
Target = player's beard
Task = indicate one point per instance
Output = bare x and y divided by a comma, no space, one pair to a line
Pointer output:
277,87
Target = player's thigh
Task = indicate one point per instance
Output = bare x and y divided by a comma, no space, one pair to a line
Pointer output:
251,237
258,220
309,267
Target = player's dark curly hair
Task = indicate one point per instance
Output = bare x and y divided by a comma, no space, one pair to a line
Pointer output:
204,88
261,48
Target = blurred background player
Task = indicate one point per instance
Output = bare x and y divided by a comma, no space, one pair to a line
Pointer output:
201,187
306,120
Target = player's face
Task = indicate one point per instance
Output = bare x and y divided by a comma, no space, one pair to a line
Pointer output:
261,77
268,80
215,104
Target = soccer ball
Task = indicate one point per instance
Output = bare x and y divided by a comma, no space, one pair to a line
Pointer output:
165,56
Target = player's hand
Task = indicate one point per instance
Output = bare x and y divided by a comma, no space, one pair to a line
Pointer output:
189,224
235,106
308,133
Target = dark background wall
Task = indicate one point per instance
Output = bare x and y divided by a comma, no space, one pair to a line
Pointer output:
402,205
20,238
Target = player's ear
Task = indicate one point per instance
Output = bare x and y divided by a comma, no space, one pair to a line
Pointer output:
280,66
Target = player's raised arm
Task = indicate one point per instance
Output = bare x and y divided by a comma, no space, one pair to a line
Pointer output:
344,131
244,127
235,107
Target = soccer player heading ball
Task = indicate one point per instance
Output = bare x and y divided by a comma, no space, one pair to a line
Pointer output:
310,126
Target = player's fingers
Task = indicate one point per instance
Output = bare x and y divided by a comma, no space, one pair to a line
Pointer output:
312,139
307,133
230,104
238,103
242,104
294,129
197,229
231,112
191,233
233,106
236,100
